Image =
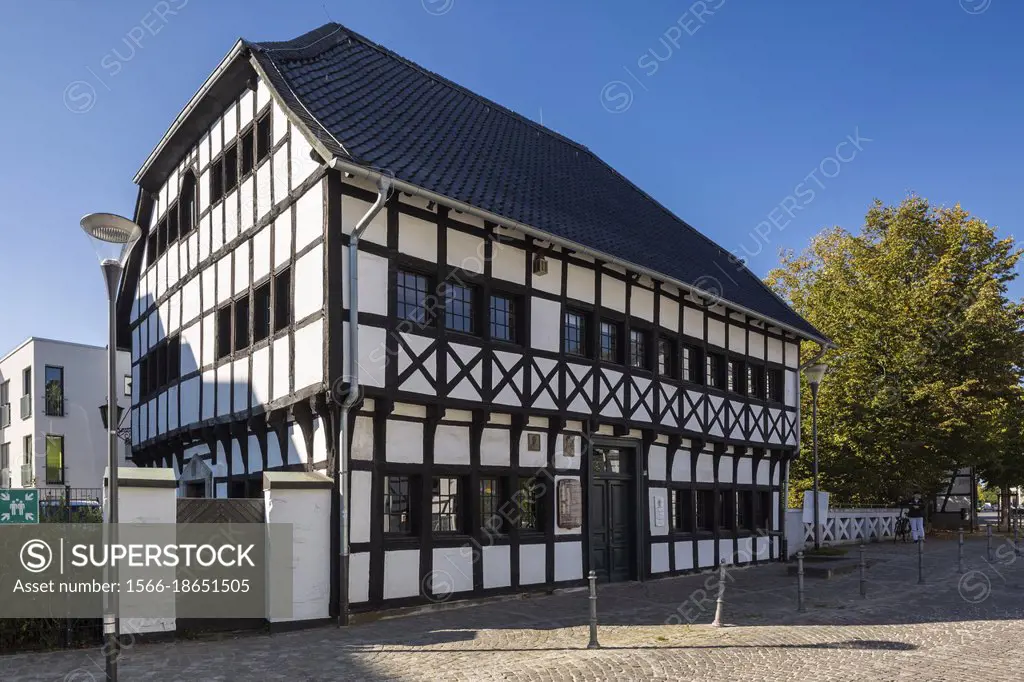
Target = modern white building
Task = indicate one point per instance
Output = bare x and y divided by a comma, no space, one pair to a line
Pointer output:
51,428
554,373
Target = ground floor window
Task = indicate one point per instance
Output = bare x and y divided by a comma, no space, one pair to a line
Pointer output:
398,505
681,509
705,510
54,460
764,509
491,520
446,505
745,509
527,502
726,510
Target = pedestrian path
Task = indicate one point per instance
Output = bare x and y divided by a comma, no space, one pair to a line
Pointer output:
953,626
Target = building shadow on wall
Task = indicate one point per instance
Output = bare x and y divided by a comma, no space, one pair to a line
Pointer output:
200,412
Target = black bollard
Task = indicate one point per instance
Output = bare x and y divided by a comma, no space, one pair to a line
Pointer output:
920,561
863,574
592,578
988,528
800,582
960,552
717,622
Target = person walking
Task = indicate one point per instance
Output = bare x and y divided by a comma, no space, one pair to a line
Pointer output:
916,510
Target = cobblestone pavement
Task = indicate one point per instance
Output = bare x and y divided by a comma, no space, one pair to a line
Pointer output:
952,627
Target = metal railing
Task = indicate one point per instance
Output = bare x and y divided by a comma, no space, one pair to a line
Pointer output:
26,406
5,415
71,505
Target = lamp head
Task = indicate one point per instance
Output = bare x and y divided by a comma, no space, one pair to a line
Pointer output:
815,373
112,236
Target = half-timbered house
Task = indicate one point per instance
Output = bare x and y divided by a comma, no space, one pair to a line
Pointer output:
549,373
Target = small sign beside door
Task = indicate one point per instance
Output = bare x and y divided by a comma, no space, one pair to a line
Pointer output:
570,504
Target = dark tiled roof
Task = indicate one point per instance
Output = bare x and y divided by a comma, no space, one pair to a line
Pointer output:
376,108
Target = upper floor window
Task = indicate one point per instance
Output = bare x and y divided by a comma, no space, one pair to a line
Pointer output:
574,336
714,375
504,317
26,395
5,404
217,180
160,367
152,245
224,332
692,364
737,378
609,341
172,226
54,404
756,381
263,137
638,348
188,212
261,313
412,291
230,168
248,142
774,385
5,456
282,299
666,357
459,308
241,313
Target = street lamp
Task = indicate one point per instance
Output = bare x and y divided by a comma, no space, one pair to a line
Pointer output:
113,238
815,373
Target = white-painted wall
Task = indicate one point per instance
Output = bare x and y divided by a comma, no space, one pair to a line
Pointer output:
85,389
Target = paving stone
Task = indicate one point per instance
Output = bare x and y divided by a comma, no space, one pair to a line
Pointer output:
952,627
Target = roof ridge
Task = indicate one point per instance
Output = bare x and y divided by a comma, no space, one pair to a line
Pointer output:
422,69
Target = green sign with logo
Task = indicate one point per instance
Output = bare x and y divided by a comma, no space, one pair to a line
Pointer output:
19,506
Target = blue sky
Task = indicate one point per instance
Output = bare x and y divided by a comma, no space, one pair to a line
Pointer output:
728,111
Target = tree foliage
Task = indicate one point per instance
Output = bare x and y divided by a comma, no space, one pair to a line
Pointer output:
926,376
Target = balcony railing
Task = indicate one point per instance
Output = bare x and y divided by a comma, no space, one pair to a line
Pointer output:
5,415
54,405
26,406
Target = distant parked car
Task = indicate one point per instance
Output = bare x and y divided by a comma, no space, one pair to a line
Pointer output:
986,507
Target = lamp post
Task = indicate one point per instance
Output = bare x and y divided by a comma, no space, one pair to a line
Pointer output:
113,238
815,373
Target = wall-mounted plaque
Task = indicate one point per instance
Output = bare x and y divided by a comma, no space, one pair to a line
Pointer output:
570,504
569,446
533,442
659,512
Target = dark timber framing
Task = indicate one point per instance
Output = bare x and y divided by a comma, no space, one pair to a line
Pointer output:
442,379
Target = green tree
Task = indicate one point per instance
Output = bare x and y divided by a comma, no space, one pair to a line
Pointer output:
926,375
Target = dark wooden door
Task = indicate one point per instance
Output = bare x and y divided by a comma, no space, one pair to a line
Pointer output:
612,516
